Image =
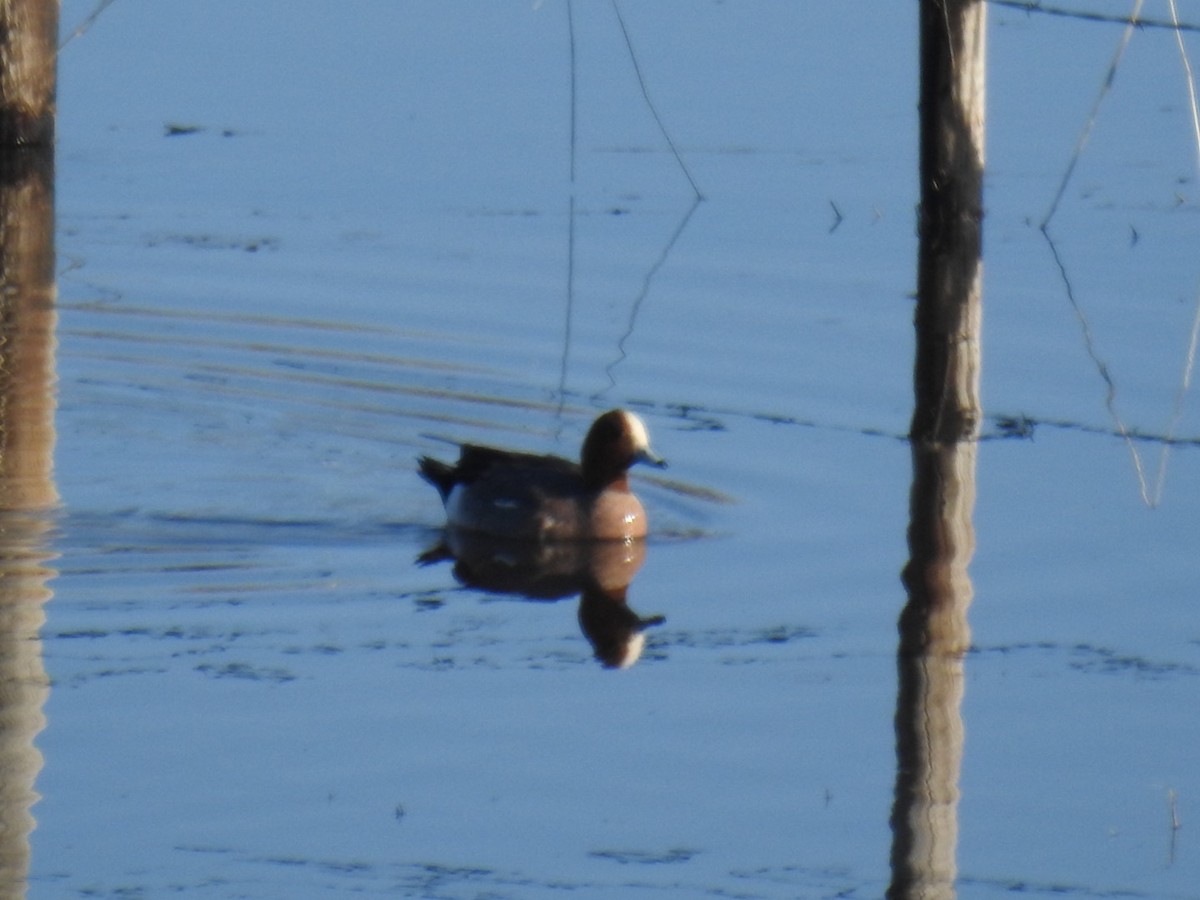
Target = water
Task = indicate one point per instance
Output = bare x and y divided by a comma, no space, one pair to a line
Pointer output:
358,248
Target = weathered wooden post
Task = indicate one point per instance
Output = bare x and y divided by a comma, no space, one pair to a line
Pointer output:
934,633
949,266
28,65
28,61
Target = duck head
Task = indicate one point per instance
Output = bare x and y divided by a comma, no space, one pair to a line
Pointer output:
616,441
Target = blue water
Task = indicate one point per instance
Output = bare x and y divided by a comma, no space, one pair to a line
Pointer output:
359,249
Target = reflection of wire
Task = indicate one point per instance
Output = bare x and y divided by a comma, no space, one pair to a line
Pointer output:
637,302
679,229
1110,396
1150,498
1189,364
666,251
1167,440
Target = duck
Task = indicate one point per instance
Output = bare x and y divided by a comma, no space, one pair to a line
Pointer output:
546,498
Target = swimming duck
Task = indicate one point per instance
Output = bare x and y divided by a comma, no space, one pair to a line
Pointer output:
526,496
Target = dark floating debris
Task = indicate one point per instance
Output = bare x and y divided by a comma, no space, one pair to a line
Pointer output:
645,857
1015,426
174,129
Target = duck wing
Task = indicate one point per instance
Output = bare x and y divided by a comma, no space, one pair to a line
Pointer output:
520,471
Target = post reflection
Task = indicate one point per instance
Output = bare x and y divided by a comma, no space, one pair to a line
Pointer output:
598,572
27,491
934,636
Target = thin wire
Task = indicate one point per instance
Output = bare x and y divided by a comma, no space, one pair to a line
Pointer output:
1151,498
1084,135
1036,6
1191,81
637,69
1110,397
1185,382
87,23
574,102
671,242
564,365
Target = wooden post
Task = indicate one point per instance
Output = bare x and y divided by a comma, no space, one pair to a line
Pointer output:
934,633
28,56
28,62
949,267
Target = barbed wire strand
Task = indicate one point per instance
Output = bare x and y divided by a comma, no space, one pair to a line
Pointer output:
1136,20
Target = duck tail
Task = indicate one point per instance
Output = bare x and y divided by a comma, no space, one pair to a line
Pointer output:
437,473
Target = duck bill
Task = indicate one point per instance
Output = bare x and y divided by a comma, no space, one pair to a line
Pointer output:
650,458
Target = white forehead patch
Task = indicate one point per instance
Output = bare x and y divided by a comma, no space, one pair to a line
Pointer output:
637,431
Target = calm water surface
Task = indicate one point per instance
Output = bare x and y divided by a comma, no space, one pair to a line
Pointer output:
285,276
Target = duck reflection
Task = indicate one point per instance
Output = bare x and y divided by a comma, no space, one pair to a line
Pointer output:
598,572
